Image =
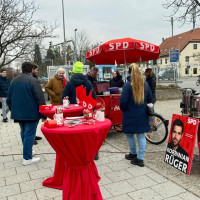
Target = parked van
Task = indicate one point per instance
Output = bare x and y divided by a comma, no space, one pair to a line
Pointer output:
166,74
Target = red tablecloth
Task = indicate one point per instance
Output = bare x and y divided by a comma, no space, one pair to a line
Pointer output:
75,171
71,111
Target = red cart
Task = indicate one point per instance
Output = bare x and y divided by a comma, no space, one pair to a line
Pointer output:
111,103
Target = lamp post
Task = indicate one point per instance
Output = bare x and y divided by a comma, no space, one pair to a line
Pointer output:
179,47
64,43
75,49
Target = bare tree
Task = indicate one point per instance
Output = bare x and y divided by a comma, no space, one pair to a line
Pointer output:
82,45
184,11
19,31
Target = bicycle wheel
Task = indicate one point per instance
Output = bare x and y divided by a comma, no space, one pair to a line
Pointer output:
197,83
159,129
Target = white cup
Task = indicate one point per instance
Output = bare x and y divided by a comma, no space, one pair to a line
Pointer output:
65,103
58,116
100,116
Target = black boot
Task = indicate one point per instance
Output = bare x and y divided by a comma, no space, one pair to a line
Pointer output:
130,156
138,162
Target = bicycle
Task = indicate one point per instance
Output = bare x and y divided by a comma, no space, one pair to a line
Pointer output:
198,81
159,129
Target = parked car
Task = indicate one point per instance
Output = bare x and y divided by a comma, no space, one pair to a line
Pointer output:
166,74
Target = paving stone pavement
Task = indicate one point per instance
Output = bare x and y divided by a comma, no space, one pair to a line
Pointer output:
119,179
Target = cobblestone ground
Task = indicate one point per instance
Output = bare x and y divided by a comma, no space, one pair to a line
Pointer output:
120,180
155,153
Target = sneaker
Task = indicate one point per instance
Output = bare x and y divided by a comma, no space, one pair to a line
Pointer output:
35,142
31,161
130,156
5,120
33,153
96,157
38,138
138,162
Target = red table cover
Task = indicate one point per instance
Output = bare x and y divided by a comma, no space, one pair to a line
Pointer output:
75,171
71,111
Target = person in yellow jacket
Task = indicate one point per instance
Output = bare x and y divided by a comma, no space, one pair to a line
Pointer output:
55,87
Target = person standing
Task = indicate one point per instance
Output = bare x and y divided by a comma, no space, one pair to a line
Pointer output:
151,80
91,75
24,98
116,81
133,101
56,86
34,74
76,80
4,86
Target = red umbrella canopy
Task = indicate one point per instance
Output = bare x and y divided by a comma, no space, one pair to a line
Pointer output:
125,50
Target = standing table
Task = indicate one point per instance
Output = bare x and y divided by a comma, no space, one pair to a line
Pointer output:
72,110
75,171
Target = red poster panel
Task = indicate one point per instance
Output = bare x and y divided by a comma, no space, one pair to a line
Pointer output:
181,144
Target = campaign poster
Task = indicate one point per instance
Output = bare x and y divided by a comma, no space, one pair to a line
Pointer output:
181,143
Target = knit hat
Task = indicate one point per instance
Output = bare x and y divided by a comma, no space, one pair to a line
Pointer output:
78,67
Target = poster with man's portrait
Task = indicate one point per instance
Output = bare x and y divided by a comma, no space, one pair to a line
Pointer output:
181,143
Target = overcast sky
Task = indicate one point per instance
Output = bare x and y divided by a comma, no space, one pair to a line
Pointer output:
104,20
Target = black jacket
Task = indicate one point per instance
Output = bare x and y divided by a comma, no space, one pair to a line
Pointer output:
4,86
75,81
152,84
24,98
116,82
92,79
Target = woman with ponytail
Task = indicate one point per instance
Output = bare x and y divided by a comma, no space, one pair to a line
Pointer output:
133,101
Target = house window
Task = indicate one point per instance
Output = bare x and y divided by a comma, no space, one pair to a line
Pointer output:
166,61
194,46
194,70
161,61
187,58
186,71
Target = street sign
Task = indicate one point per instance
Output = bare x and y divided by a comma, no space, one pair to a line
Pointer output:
174,56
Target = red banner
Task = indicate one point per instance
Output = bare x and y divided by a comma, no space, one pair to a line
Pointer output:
181,144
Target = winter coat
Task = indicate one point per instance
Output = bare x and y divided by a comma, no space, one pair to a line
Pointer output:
55,89
135,119
117,82
92,79
24,98
75,81
152,84
4,86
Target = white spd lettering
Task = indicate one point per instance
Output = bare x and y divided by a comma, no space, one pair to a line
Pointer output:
147,46
113,46
192,121
116,108
94,51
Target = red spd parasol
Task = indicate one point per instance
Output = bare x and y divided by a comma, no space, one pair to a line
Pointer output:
122,51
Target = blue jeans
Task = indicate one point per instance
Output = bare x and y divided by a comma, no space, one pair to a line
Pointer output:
5,108
28,132
141,143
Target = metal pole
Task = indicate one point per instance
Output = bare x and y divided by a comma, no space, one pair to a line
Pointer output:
64,33
75,45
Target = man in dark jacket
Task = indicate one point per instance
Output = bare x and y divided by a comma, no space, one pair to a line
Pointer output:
4,86
116,81
24,98
92,75
77,79
34,74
